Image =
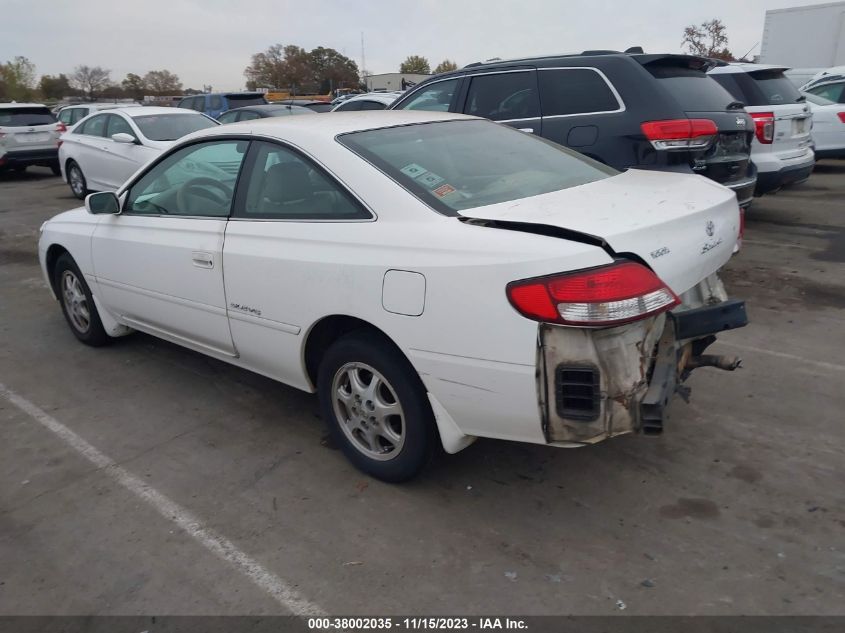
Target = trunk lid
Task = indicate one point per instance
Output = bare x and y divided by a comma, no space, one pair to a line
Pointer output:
684,227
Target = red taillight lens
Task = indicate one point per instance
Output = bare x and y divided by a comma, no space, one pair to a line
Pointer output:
61,127
605,296
764,126
841,116
680,133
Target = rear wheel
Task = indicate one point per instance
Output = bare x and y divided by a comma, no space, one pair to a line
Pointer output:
376,407
78,304
76,180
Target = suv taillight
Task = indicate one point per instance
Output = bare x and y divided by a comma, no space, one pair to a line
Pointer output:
764,126
680,133
841,116
599,297
61,127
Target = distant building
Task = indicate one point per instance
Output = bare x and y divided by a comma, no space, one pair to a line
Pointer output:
805,37
393,81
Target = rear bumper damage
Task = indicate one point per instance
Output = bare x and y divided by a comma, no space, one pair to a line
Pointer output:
596,384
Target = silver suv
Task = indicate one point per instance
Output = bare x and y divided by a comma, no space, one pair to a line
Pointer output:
29,135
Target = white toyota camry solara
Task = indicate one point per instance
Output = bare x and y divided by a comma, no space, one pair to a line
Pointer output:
433,277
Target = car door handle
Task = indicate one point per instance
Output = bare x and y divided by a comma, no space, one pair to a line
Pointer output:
527,130
202,260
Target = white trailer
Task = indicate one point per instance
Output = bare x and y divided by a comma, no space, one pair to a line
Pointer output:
809,37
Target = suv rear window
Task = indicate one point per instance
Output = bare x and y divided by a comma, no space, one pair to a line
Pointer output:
24,117
760,87
575,91
457,165
239,101
694,90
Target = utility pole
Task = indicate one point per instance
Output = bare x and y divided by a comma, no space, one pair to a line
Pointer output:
363,61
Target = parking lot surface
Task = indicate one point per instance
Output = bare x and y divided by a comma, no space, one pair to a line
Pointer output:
145,478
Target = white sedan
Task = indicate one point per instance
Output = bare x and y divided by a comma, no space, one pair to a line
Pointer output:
434,277
828,126
103,150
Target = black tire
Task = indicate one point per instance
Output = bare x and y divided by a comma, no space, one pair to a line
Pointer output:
93,334
417,420
57,171
79,187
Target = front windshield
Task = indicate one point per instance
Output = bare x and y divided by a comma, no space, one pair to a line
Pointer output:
169,127
457,165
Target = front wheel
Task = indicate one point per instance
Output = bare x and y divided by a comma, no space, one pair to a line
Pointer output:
376,407
76,181
78,304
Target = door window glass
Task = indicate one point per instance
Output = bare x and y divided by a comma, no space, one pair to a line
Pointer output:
198,180
436,97
581,90
503,96
95,126
118,125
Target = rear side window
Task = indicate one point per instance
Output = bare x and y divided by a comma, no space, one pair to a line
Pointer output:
436,97
24,117
95,126
239,101
692,89
759,88
349,106
831,92
372,105
575,91
504,96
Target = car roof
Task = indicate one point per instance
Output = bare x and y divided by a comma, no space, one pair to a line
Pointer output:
743,67
139,110
22,105
306,128
385,97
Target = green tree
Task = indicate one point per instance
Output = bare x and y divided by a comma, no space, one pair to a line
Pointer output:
709,39
54,88
91,80
279,67
134,86
162,82
18,79
330,69
416,65
445,66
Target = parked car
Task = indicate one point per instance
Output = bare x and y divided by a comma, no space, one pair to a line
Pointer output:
657,112
72,114
369,101
101,151
311,104
828,126
29,135
782,147
433,277
215,104
262,112
830,85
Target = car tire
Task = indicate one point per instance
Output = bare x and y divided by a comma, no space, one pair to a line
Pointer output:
76,180
78,304
386,429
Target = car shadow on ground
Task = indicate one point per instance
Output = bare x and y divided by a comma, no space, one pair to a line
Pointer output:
830,166
31,174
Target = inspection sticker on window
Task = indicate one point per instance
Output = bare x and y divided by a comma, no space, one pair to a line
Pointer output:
413,170
430,179
444,190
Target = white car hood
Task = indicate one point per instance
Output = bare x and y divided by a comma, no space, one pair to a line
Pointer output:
683,226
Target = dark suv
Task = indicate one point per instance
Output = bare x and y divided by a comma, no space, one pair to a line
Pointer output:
624,109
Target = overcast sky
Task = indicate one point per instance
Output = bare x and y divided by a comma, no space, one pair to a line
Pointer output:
210,41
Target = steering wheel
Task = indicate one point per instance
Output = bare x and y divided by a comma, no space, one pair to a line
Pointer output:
196,188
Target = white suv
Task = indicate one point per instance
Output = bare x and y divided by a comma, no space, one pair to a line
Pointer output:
29,135
782,147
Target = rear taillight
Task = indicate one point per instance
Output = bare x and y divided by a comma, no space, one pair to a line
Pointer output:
841,116
680,133
604,296
61,127
764,126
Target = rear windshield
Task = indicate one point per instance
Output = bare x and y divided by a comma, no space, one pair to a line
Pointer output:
239,101
23,117
169,127
457,165
760,88
692,89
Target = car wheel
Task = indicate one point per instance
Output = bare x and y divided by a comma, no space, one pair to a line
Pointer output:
78,304
76,181
376,407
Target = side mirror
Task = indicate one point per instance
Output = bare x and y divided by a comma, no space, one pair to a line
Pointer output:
123,137
102,203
